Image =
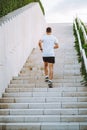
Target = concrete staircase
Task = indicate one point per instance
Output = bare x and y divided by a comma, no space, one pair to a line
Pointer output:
28,103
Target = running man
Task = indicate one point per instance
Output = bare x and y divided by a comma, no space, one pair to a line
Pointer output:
47,45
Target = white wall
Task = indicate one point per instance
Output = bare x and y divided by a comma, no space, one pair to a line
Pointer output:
19,34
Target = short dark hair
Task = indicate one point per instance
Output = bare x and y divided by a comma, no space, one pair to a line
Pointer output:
48,29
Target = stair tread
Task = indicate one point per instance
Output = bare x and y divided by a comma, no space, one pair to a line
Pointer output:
63,111
61,89
41,99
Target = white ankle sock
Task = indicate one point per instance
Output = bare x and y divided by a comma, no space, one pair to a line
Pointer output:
50,80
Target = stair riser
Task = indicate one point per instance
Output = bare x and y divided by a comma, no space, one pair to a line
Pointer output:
42,99
42,105
45,94
32,85
43,126
43,112
60,89
22,81
41,81
39,119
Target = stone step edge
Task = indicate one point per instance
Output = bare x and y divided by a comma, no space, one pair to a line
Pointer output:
50,92
43,100
44,109
9,109
74,103
39,98
59,89
33,85
47,123
41,126
43,118
43,105
63,111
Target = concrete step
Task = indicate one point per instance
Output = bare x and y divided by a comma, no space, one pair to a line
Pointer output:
27,74
27,81
22,85
44,94
70,84
41,99
29,105
33,71
44,85
44,126
43,105
67,80
42,118
22,77
58,89
21,81
42,77
69,111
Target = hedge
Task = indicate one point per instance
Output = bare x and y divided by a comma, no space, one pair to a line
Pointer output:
7,6
84,46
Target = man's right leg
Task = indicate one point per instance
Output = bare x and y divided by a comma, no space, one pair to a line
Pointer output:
46,68
50,71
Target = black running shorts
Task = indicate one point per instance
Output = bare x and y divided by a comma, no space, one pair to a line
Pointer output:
49,59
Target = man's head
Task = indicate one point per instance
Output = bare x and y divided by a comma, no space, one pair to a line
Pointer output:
48,30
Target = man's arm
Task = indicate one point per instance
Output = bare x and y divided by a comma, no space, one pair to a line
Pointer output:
56,46
40,45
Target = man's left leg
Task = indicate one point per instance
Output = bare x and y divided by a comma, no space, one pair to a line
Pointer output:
50,75
46,71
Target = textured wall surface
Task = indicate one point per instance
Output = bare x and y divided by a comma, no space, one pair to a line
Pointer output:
19,34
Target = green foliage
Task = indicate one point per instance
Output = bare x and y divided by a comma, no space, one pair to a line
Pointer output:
84,46
84,73
76,44
81,37
40,5
7,6
77,24
84,26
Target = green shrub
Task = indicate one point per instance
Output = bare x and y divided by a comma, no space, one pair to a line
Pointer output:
7,6
84,73
76,44
84,46
84,26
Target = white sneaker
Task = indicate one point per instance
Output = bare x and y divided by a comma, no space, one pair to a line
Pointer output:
46,79
50,84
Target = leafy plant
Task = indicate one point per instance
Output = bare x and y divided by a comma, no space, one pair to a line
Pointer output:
84,46
7,6
76,44
84,26
84,73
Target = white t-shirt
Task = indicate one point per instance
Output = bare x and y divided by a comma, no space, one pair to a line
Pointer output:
48,45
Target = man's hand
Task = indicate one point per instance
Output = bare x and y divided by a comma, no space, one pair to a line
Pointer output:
56,46
40,45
